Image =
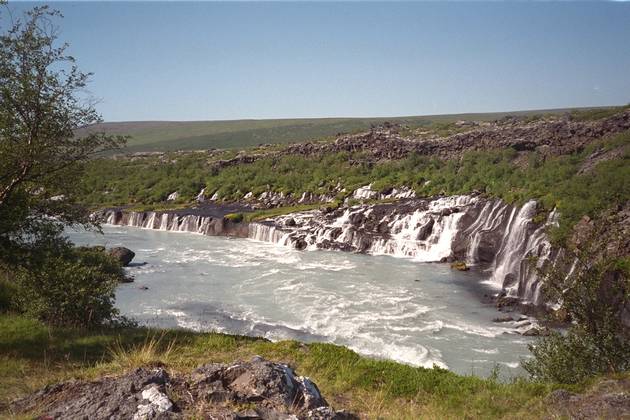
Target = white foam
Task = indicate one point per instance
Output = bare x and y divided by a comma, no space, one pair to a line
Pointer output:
487,351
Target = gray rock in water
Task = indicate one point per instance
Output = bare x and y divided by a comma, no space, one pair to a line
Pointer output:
506,318
122,254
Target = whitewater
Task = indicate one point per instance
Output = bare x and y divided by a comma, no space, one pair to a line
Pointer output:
421,314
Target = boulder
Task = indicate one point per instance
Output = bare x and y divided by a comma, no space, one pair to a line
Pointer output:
122,254
609,399
257,389
506,318
535,332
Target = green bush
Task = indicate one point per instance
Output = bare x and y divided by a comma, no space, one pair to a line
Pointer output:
73,288
234,217
594,297
7,293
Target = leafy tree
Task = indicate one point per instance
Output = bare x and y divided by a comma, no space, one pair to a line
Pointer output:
41,106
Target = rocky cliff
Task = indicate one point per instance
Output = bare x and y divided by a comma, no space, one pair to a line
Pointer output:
551,136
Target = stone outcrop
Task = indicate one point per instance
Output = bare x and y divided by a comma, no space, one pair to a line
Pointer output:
555,136
122,254
609,399
550,136
268,390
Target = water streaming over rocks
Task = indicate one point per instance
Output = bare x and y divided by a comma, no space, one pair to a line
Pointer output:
417,313
501,239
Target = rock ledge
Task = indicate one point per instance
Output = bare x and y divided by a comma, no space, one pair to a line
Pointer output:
258,389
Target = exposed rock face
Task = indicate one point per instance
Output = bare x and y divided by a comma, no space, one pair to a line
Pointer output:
272,390
107,398
122,254
549,137
610,399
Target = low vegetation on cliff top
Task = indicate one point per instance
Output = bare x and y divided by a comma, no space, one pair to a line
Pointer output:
566,182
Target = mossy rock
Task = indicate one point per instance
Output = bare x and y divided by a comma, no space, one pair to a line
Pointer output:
459,265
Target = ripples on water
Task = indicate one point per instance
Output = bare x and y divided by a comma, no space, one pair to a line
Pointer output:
420,314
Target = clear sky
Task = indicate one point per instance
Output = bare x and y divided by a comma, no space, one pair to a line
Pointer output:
208,61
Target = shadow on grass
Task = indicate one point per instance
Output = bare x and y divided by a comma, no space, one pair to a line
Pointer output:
29,339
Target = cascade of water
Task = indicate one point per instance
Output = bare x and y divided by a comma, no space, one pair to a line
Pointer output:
265,233
539,248
150,220
406,233
514,242
426,234
111,217
164,221
490,218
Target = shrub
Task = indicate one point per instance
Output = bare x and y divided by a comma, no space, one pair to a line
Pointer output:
73,288
234,217
594,296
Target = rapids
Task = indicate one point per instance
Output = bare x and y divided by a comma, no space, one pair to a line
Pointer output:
413,312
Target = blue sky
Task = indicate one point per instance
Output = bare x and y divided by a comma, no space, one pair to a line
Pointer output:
231,60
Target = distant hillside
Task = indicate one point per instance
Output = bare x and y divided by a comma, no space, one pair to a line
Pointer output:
236,134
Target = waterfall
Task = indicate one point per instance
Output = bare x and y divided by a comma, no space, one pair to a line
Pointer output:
481,231
491,216
164,222
406,238
150,222
513,244
425,234
171,222
265,233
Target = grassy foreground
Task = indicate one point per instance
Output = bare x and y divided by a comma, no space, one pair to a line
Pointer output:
33,355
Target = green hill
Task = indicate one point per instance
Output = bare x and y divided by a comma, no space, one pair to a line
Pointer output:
236,134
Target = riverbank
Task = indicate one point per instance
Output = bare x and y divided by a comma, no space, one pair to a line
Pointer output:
33,355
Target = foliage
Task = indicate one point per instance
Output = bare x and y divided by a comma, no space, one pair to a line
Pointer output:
594,296
278,211
73,287
41,106
555,181
234,217
39,109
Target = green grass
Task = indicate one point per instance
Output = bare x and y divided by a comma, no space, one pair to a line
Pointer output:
237,134
158,207
33,355
279,211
